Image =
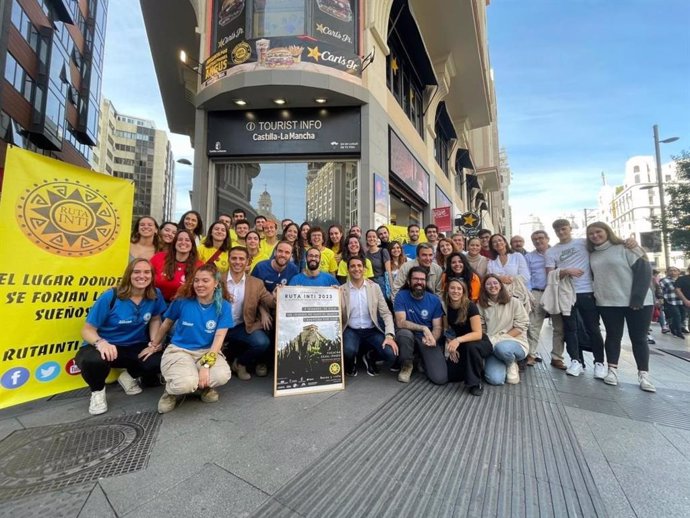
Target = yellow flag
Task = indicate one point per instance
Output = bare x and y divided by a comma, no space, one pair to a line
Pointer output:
65,240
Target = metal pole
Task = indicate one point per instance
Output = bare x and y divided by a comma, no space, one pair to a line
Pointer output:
662,202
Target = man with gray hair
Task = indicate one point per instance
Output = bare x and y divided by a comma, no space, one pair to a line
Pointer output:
425,259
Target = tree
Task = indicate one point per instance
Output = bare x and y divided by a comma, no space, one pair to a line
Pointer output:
678,205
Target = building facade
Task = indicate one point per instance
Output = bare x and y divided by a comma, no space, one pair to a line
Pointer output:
132,148
633,209
51,53
350,111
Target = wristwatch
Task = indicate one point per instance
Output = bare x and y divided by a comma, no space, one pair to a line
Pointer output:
391,335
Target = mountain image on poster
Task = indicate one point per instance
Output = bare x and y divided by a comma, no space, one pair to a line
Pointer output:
308,355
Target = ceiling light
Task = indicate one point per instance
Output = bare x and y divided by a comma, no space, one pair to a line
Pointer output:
279,101
321,100
240,102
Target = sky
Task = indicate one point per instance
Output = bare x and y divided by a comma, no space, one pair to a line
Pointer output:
579,85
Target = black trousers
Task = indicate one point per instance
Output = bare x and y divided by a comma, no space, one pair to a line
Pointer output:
638,326
95,369
586,307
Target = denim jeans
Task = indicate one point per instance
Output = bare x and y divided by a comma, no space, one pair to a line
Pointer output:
247,348
372,338
505,353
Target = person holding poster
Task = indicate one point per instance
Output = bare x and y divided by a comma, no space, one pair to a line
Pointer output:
312,275
194,360
116,334
363,307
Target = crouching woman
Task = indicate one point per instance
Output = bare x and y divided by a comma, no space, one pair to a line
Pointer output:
505,321
116,334
193,359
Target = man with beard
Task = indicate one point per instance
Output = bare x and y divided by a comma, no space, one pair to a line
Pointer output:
384,235
312,275
410,248
247,341
277,271
425,259
363,310
418,315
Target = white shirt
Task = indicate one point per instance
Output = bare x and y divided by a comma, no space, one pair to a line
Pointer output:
515,265
237,292
572,255
359,317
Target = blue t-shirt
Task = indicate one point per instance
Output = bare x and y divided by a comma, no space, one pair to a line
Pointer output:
323,279
270,277
126,323
410,251
196,323
422,311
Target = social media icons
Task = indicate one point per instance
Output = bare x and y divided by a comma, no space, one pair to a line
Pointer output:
47,372
72,369
14,378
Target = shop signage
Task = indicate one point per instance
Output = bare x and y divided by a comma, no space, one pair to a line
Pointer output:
469,222
330,40
407,168
317,131
309,352
442,219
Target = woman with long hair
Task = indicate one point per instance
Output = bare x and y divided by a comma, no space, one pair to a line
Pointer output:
336,241
622,279
467,346
253,244
194,360
458,267
504,263
444,248
380,260
144,241
474,256
291,235
191,220
174,267
505,321
118,333
398,257
166,235
215,247
353,248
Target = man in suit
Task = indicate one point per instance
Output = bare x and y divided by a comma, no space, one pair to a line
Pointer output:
248,341
363,305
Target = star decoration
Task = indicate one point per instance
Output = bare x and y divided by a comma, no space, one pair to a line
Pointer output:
469,220
319,27
314,53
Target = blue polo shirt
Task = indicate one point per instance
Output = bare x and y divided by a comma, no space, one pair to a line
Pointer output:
126,323
264,271
323,279
197,323
419,311
410,251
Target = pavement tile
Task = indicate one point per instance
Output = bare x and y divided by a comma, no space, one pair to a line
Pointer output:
208,490
9,425
97,505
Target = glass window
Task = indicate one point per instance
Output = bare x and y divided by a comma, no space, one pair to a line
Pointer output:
320,192
278,18
18,78
404,84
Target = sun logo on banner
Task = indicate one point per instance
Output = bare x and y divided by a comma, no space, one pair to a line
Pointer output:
334,368
67,218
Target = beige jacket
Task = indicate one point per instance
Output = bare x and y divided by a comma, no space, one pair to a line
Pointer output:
375,301
498,319
559,296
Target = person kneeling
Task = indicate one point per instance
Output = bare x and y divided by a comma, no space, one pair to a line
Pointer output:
193,360
116,334
505,321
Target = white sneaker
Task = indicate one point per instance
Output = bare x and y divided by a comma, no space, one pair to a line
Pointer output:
599,371
611,377
513,374
645,384
574,369
166,403
129,384
98,404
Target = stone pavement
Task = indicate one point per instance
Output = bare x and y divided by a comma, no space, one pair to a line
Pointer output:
550,446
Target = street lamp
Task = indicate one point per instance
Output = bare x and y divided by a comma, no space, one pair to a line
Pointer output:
662,202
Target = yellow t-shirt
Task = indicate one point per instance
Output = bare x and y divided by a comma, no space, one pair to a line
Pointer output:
328,263
222,262
368,269
265,249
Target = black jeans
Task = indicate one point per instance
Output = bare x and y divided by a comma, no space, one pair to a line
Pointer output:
638,326
586,307
674,318
95,369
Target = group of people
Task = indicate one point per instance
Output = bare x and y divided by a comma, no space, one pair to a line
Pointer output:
194,307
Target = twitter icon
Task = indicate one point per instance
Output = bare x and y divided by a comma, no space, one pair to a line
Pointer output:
48,371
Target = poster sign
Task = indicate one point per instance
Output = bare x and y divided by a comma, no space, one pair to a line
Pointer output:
284,132
67,229
407,168
442,219
309,351
381,196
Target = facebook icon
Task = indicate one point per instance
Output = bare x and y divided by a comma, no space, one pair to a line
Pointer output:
14,378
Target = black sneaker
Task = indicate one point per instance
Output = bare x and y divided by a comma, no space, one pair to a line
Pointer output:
477,390
370,364
351,370
395,367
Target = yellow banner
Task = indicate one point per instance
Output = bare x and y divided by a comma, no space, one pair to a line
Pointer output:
399,233
65,235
